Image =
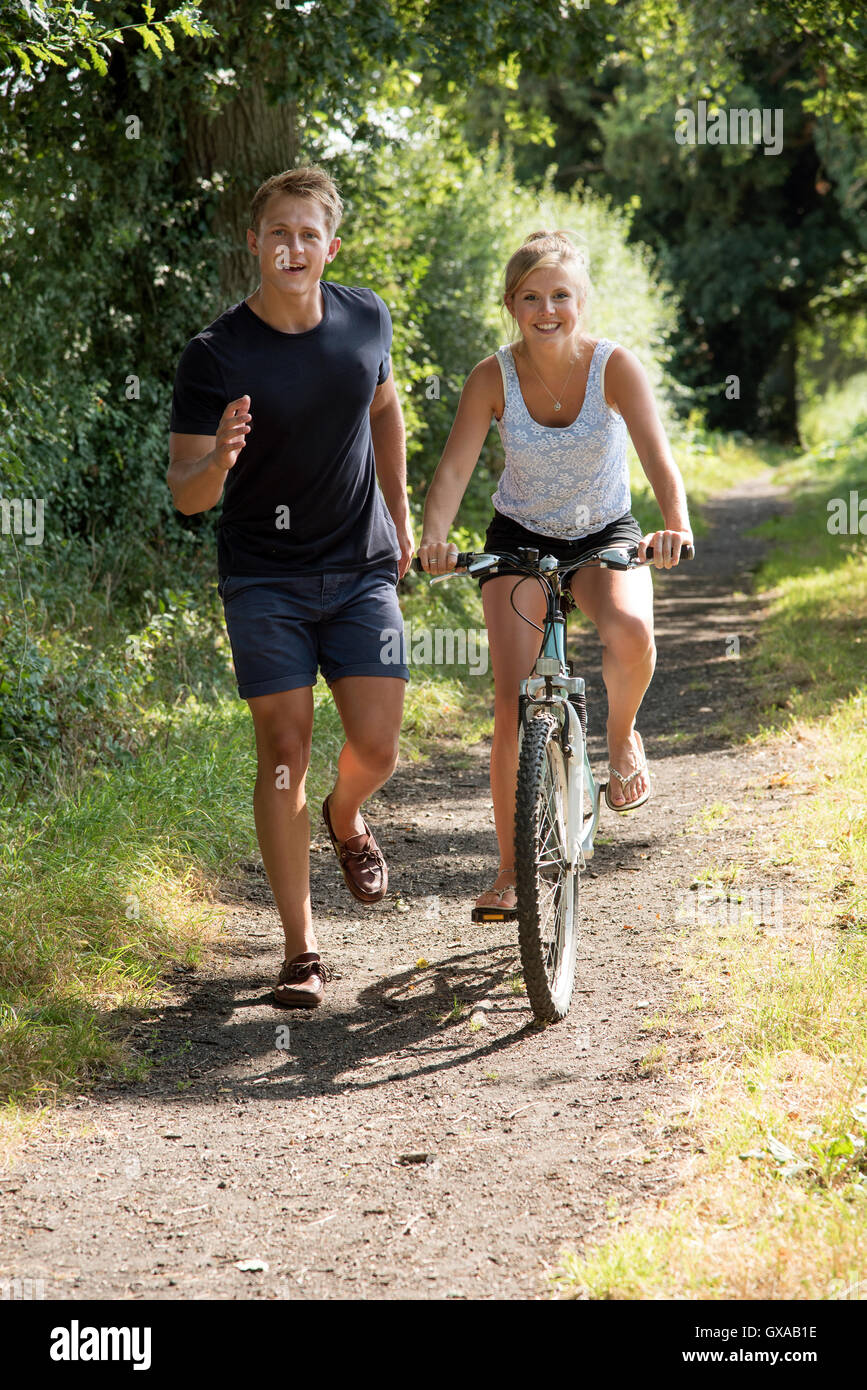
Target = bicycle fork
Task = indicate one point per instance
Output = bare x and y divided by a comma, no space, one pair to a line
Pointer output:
584,793
564,698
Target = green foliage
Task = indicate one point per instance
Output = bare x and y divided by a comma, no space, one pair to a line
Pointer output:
114,193
811,658
818,47
110,254
427,224
744,238
431,228
32,34
759,249
85,653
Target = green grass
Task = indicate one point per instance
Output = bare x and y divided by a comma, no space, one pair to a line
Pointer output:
108,863
104,882
774,1204
836,414
813,651
711,462
128,807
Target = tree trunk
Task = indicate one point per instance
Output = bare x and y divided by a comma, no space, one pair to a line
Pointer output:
779,392
243,144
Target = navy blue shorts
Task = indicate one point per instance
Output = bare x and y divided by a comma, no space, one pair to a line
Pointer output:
283,630
507,535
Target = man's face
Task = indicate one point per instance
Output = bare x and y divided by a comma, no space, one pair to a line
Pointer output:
292,244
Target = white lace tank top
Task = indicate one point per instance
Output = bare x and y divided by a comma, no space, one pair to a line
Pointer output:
567,481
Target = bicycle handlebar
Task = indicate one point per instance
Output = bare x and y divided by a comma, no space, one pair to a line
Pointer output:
466,557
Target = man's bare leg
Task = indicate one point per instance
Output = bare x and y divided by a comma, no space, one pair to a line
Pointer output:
371,709
284,732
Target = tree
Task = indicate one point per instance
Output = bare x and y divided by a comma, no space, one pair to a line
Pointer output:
755,246
124,198
33,34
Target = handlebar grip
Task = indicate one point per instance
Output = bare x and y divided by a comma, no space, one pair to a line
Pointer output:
464,558
687,552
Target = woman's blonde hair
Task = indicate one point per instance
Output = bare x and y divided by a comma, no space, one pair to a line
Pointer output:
548,248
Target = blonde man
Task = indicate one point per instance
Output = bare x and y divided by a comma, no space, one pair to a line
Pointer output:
286,408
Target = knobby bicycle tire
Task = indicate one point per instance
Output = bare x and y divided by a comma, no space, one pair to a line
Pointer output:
546,893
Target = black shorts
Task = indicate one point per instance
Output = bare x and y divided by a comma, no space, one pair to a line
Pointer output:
504,534
283,629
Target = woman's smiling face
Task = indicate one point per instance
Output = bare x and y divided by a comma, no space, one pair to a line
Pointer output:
547,304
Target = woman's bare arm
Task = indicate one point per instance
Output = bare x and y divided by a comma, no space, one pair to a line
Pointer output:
481,398
628,390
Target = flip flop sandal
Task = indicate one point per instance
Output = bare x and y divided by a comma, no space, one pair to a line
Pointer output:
492,913
625,782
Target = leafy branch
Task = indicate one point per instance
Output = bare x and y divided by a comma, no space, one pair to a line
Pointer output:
67,33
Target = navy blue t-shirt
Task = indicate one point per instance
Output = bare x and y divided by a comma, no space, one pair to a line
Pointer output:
302,495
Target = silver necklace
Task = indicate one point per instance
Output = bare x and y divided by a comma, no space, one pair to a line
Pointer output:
557,402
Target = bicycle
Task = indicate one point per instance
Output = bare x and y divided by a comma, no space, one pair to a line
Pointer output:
558,799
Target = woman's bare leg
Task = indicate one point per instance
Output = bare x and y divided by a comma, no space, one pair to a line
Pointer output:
514,646
620,604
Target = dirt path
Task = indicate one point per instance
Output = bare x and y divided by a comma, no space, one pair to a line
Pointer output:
392,1149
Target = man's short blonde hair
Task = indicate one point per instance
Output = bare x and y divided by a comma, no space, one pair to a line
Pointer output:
309,181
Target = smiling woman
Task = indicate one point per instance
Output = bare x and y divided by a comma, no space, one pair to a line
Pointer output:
564,490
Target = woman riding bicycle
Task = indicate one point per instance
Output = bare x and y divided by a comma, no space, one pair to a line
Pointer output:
563,402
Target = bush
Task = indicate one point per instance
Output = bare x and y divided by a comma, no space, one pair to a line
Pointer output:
431,229
118,606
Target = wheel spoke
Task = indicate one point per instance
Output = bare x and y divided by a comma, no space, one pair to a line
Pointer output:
551,867
546,893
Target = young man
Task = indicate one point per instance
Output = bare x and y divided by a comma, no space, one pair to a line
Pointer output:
287,401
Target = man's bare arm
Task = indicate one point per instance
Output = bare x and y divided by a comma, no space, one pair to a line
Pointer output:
199,463
389,450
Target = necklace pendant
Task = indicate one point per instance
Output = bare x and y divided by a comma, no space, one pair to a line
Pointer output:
556,405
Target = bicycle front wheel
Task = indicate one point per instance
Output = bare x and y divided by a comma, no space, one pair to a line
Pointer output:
545,888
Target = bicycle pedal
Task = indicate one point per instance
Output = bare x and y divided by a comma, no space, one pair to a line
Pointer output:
494,914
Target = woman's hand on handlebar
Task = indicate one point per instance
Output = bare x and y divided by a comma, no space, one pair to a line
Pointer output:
437,557
666,547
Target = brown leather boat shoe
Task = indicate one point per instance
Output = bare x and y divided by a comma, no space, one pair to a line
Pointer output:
301,983
365,872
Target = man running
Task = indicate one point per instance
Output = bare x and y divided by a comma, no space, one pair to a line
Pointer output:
287,402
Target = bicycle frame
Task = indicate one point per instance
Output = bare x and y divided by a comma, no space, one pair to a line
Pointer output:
553,688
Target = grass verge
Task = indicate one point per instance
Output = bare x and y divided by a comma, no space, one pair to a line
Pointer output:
108,869
772,1201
